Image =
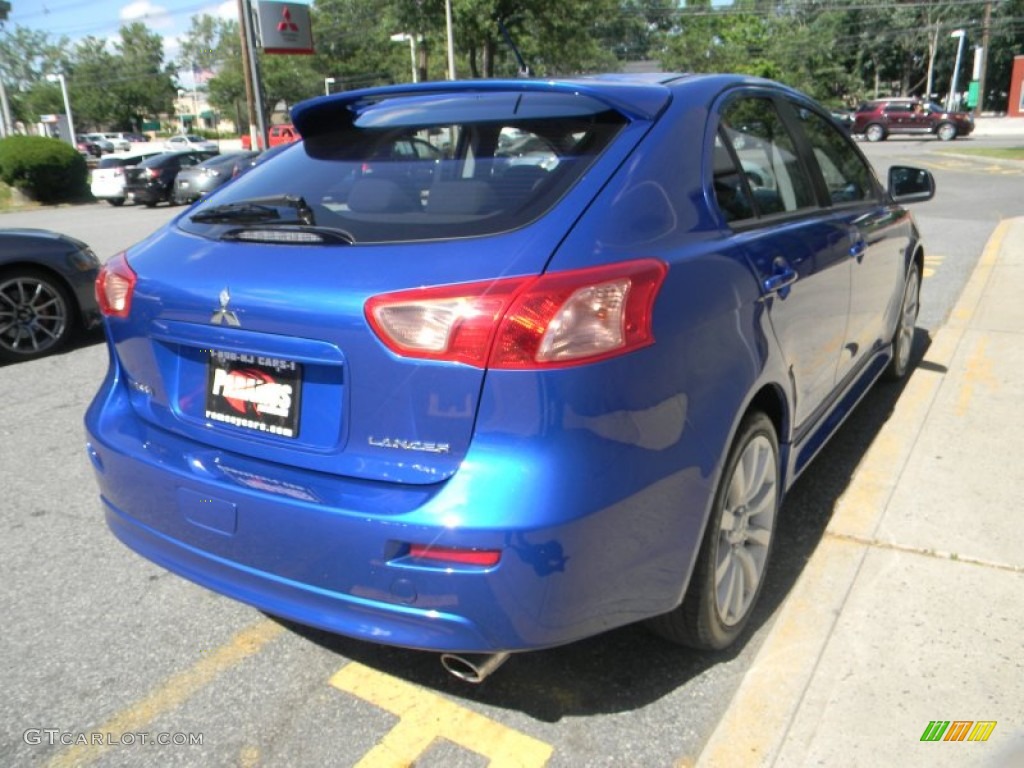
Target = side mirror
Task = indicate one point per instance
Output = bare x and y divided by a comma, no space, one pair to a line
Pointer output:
910,185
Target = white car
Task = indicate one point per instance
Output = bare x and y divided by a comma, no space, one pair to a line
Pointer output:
190,141
120,143
107,179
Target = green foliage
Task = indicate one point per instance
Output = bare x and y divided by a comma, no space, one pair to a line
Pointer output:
837,50
47,170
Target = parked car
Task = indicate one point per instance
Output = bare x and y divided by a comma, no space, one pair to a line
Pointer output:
877,120
87,146
135,138
105,145
192,183
152,181
843,118
467,413
120,143
106,180
191,142
46,292
276,136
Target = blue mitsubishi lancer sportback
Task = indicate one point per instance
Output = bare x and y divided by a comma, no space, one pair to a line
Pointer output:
491,366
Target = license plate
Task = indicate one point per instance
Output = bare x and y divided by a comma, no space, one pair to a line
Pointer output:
183,184
254,392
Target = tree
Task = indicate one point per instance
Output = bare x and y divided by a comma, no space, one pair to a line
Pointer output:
26,57
144,85
89,84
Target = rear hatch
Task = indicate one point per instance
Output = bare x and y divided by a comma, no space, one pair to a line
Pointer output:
293,315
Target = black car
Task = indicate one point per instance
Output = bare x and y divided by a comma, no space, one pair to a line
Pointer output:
152,180
192,183
46,292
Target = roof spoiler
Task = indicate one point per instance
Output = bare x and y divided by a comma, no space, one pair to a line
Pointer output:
636,100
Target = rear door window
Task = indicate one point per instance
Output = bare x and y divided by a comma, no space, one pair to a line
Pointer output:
774,173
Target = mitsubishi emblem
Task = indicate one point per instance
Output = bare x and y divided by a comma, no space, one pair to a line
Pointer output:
225,316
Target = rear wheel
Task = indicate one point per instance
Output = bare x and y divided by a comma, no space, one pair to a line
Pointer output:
946,131
116,201
36,314
874,132
903,339
731,566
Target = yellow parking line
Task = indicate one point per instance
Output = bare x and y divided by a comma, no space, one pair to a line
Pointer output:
425,717
977,373
174,692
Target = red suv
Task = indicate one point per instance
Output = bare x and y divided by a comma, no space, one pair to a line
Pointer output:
877,119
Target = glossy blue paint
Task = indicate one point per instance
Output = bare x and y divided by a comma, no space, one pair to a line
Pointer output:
594,481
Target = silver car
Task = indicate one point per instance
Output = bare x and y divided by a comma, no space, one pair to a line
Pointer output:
192,142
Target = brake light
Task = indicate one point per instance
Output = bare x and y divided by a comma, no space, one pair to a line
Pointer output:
114,287
152,173
555,319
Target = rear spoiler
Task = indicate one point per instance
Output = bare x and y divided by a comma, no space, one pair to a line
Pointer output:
636,100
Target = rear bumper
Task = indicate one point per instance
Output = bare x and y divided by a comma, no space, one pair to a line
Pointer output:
332,552
146,193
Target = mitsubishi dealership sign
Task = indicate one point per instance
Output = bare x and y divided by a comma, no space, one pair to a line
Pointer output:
284,27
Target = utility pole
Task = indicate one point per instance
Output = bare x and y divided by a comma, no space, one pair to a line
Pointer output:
6,124
986,29
253,95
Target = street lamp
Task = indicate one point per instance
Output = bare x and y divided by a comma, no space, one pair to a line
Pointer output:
450,35
951,100
328,82
67,104
401,37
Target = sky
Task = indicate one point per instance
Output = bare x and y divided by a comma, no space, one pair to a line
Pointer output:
103,18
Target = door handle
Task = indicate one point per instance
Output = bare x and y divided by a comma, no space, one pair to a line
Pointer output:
780,281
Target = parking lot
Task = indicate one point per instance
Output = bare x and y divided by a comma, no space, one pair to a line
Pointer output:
109,660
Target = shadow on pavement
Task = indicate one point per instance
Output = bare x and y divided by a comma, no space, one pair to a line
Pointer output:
629,668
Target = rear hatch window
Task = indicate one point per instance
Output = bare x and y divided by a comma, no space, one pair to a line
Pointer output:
426,167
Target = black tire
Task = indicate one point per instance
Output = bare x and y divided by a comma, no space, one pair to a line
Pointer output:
37,314
739,537
117,202
903,336
874,132
150,203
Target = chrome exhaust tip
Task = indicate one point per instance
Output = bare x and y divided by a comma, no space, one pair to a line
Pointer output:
472,668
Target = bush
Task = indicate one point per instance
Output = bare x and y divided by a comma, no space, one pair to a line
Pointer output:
47,170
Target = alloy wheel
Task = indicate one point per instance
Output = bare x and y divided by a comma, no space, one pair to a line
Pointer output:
745,534
33,316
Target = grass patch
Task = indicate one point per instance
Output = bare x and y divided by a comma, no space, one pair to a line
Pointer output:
1000,153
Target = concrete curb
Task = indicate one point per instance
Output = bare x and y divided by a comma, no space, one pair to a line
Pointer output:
761,715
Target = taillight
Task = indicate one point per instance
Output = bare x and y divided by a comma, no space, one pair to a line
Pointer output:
114,287
152,173
555,319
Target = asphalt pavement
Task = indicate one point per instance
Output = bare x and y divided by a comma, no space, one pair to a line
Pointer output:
902,643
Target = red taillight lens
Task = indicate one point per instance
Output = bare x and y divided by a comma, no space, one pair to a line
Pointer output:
455,555
114,287
152,173
556,319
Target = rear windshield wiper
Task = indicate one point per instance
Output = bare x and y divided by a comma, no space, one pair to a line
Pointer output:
257,210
